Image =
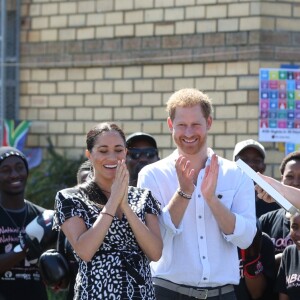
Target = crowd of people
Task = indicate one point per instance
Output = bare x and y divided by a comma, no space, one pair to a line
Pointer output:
191,225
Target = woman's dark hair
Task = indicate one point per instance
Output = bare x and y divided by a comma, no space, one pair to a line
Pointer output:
98,130
85,166
291,156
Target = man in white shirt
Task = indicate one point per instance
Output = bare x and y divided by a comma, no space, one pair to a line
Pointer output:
208,208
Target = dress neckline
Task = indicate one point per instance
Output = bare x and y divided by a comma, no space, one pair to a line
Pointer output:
94,192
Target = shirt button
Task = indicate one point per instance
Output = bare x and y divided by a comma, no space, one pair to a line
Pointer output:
204,278
201,237
199,216
203,257
199,196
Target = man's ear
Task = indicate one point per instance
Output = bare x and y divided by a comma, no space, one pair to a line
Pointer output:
209,122
170,124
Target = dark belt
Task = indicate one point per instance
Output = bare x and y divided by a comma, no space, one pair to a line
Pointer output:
198,293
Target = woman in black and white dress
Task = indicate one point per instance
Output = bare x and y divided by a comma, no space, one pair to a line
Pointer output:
112,227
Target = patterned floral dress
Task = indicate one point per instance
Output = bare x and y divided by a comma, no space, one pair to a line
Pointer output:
119,269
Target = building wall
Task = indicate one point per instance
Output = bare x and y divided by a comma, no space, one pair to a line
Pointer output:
83,62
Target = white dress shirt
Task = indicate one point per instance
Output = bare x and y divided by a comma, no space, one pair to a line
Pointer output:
197,253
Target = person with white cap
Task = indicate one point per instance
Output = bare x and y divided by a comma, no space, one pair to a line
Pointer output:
141,151
259,256
19,278
253,154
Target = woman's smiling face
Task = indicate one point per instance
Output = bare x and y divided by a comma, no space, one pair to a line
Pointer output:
108,149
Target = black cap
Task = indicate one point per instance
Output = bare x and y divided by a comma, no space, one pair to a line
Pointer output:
140,136
6,152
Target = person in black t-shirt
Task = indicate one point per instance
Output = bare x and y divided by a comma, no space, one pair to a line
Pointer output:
277,223
288,278
259,283
19,279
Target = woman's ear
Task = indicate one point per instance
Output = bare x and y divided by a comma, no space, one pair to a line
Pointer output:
87,153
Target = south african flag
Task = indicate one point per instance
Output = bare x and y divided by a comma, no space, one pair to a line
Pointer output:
15,133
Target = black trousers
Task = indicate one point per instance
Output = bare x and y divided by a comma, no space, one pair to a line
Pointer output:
166,294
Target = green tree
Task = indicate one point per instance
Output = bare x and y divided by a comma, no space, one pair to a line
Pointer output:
53,174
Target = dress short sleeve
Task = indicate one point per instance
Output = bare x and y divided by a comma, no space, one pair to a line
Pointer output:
153,206
68,203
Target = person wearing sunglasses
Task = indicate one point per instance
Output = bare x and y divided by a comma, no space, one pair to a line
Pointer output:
141,151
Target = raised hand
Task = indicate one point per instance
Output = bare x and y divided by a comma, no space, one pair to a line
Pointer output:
119,187
262,194
209,182
124,201
185,174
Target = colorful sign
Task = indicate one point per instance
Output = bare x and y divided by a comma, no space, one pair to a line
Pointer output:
291,147
279,105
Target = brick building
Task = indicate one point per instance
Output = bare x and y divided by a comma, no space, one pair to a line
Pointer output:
83,62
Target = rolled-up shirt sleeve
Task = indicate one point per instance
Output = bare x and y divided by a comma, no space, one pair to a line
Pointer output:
167,224
243,233
243,206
